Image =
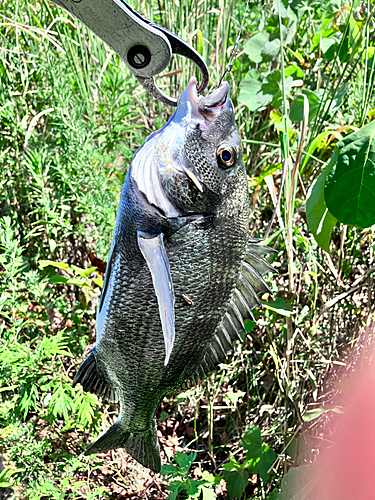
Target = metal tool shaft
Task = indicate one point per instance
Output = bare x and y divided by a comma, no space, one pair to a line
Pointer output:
146,48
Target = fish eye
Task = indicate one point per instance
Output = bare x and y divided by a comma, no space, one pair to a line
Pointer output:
226,155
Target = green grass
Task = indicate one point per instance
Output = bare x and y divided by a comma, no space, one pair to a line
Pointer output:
71,118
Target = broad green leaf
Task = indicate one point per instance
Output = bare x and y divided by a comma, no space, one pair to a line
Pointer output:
315,144
266,460
45,263
252,436
330,47
274,495
232,465
279,7
83,272
294,70
76,281
207,493
99,282
279,306
326,43
296,110
319,219
58,279
259,456
271,90
236,483
271,50
321,35
254,46
248,92
350,186
290,32
255,94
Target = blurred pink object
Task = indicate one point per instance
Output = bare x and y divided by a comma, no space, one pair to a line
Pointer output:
347,469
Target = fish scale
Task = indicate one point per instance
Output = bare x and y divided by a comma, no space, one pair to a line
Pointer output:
182,274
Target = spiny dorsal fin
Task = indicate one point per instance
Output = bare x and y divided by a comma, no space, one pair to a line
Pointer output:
256,247
231,327
255,279
242,304
236,315
245,298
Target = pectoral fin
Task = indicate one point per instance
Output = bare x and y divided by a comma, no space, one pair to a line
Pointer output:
152,249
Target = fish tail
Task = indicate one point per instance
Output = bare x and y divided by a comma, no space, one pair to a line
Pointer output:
142,446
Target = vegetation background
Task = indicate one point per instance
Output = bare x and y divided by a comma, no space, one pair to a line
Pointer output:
71,118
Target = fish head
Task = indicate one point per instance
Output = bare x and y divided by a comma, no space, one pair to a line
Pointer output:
194,163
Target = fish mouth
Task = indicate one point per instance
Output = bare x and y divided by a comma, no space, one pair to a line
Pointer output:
204,109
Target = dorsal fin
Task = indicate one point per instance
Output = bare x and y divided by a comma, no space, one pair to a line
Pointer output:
244,299
255,278
236,315
231,327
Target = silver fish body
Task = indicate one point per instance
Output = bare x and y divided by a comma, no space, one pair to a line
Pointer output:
182,273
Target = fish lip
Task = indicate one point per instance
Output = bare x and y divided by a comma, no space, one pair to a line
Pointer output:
205,109
211,106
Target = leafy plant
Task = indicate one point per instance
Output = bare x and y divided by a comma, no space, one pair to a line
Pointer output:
6,475
258,460
74,275
345,189
350,188
178,475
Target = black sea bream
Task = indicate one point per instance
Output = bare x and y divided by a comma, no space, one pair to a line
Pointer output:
182,273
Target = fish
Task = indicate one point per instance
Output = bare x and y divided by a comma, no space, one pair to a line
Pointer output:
182,275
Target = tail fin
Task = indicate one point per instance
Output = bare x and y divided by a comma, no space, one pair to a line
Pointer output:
142,446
